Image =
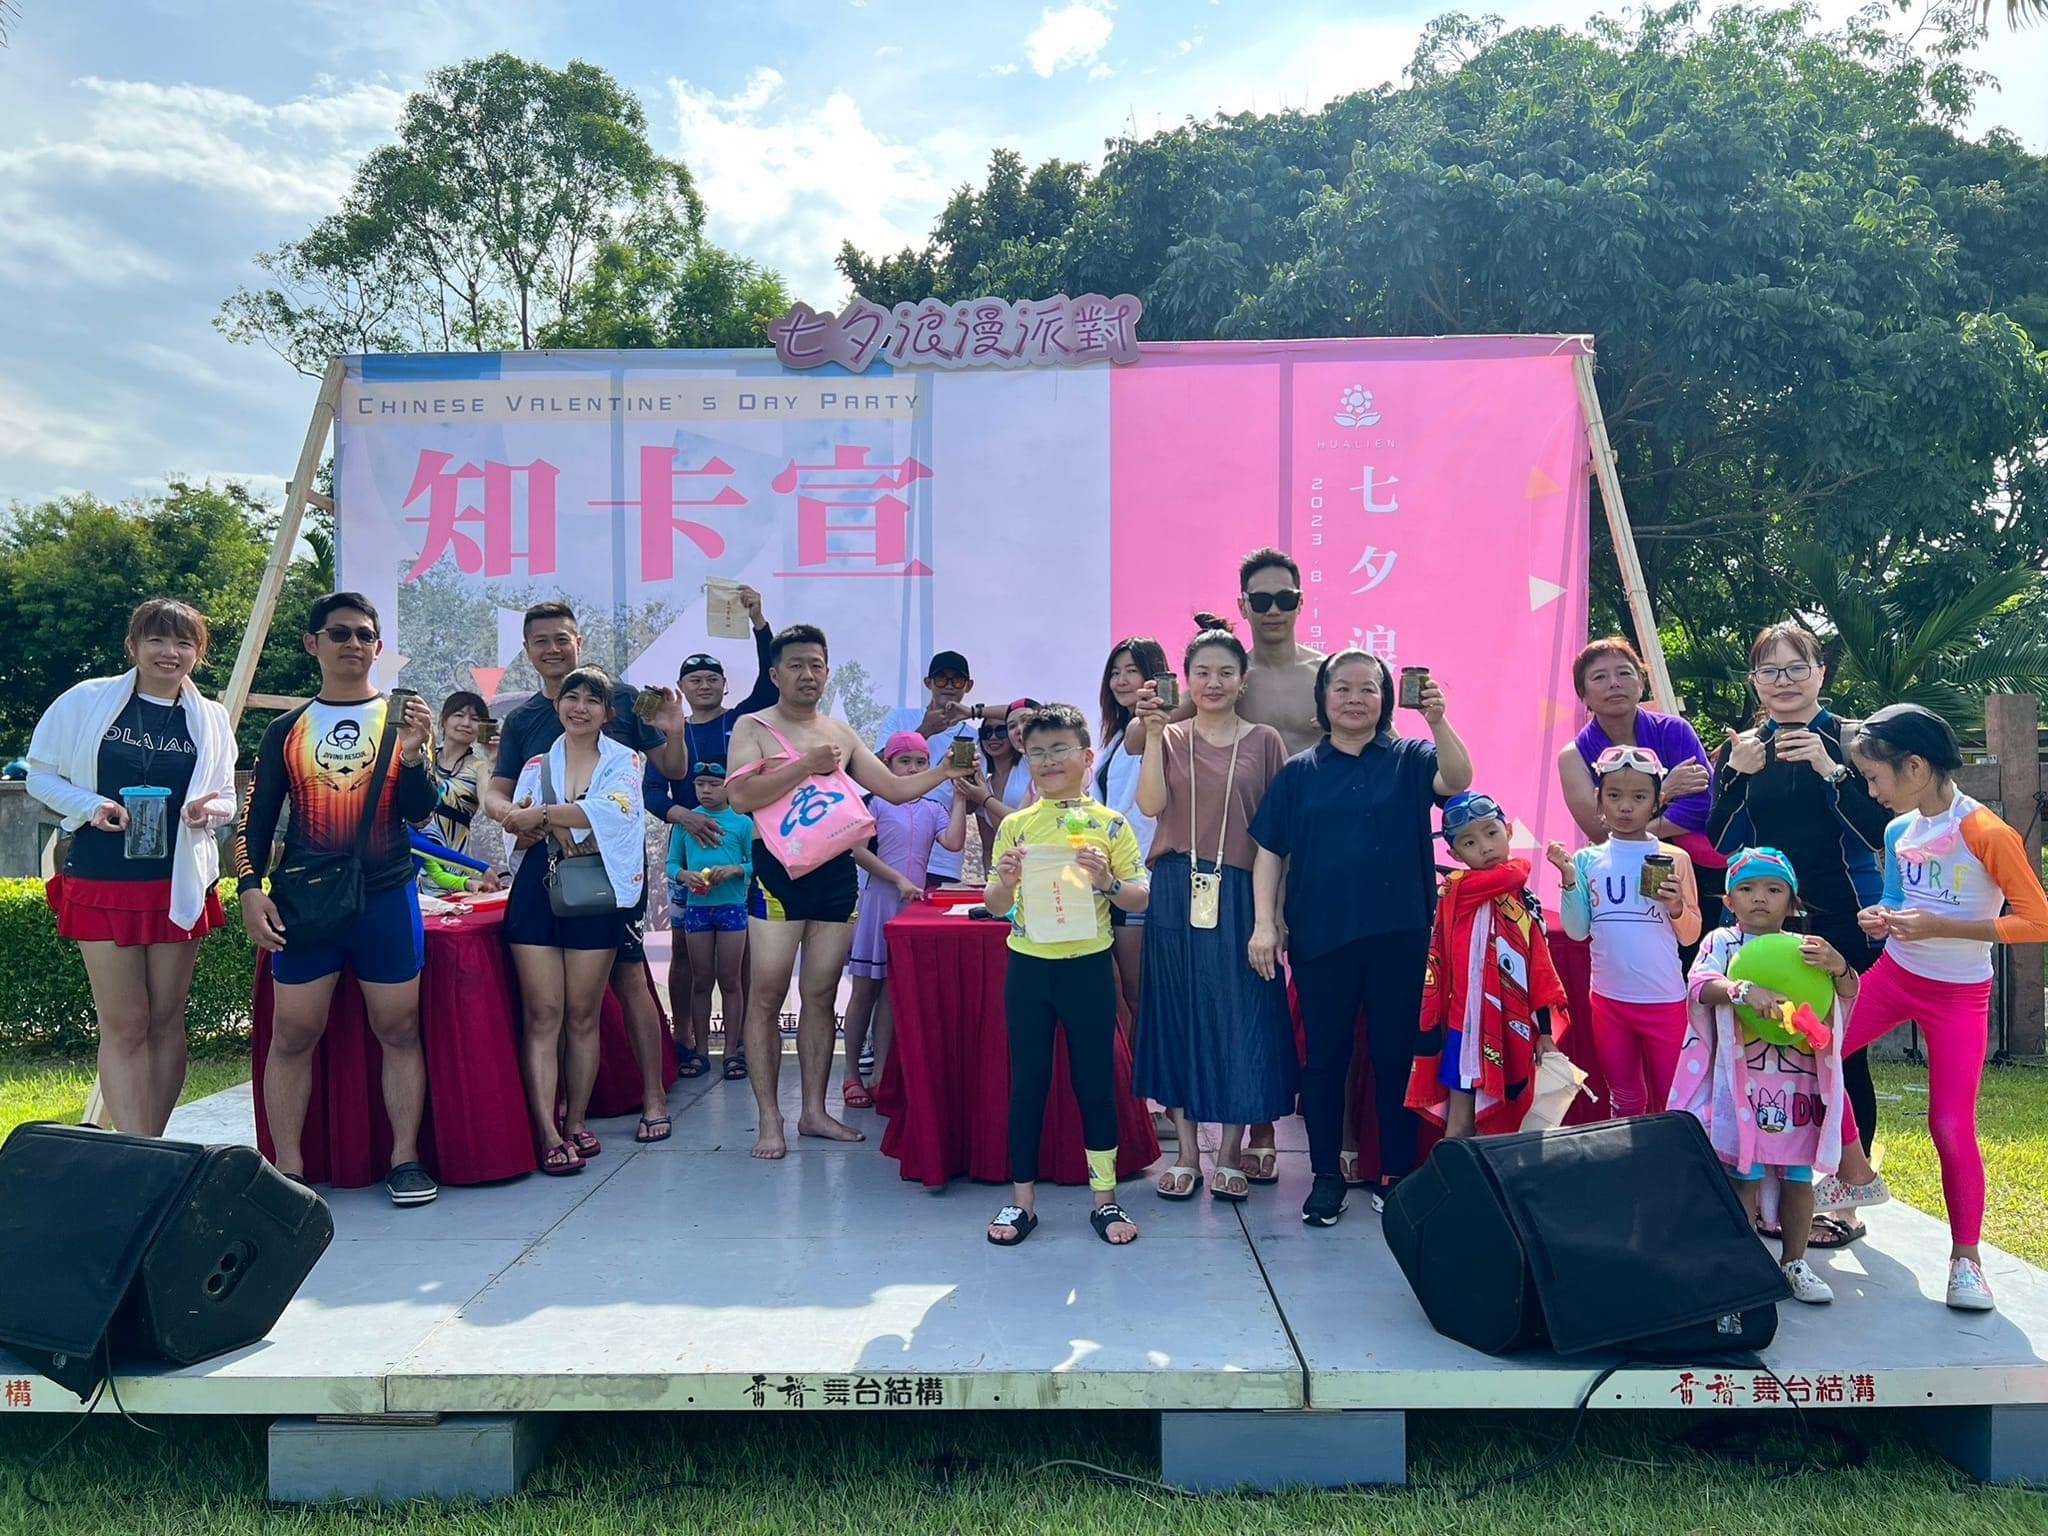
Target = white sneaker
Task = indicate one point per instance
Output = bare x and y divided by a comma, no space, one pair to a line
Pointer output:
1807,1286
1831,1194
1968,1290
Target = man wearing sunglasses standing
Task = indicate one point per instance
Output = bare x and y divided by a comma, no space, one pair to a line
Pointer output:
707,738
323,758
946,717
1280,684
1280,691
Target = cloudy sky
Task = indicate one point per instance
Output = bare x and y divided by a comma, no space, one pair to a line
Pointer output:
149,147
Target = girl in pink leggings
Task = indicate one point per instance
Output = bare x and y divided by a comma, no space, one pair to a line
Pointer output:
1950,867
1636,898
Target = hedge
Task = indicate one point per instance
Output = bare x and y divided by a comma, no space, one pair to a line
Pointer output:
46,1002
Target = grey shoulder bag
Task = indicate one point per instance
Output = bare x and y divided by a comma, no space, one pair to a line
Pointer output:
577,886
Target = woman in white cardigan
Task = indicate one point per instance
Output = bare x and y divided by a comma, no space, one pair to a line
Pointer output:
588,804
137,909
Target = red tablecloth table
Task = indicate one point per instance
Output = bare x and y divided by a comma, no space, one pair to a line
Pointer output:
476,1129
946,1086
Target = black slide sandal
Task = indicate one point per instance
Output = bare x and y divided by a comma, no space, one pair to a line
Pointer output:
1103,1217
1013,1216
1839,1233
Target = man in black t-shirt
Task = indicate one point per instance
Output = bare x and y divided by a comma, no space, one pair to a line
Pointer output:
554,644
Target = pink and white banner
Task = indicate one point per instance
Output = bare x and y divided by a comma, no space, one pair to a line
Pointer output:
1434,492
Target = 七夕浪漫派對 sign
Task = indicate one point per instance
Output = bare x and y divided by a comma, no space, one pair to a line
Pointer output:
970,333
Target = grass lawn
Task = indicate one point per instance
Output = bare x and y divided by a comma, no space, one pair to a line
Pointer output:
989,1472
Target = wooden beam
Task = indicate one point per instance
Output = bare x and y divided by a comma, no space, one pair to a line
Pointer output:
296,495
273,701
2012,732
1623,537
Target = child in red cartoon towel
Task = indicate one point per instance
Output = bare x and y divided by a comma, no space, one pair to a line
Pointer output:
1761,1065
1490,996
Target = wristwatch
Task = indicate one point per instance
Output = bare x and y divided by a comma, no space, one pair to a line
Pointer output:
1837,774
1114,887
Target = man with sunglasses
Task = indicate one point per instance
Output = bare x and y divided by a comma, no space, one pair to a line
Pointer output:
707,736
943,719
1280,684
322,758
1280,691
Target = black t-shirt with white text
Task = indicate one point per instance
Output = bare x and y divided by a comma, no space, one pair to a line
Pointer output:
148,744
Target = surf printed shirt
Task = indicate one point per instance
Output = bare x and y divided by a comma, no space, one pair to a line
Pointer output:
1967,864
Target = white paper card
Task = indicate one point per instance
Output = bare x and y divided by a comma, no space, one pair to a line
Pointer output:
725,616
1056,897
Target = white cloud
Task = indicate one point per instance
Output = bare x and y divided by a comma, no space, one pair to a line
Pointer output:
294,157
41,245
887,50
30,430
1188,45
1004,69
1102,71
1069,37
194,367
787,181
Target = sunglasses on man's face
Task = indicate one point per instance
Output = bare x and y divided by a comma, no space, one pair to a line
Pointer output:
1266,602
341,634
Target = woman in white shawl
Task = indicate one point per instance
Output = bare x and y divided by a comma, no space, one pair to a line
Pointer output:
579,799
143,746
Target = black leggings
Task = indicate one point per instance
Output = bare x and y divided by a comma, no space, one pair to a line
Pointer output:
1855,947
1039,996
1382,975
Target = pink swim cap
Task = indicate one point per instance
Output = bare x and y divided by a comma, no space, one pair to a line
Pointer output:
905,741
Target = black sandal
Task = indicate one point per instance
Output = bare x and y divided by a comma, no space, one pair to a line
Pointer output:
1839,1233
1017,1218
735,1069
660,1122
693,1064
1103,1217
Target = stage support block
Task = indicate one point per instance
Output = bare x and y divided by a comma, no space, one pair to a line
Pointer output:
2006,1444
457,1456
1217,1450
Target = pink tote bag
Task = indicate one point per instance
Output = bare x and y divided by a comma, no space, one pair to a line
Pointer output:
814,823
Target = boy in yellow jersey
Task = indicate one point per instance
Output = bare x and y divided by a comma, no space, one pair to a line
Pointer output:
1071,983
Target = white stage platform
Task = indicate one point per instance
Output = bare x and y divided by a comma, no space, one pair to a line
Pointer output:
689,1276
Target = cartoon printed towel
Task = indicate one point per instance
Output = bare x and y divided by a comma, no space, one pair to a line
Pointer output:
618,814
1760,1102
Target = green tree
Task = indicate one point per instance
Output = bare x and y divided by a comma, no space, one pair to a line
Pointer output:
972,232
73,569
1926,642
1819,307
518,201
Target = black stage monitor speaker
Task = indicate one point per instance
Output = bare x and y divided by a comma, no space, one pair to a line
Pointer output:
127,1248
1625,1237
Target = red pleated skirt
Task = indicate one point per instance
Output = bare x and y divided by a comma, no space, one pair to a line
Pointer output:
124,912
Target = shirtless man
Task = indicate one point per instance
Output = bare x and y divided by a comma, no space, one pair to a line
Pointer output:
1280,685
810,914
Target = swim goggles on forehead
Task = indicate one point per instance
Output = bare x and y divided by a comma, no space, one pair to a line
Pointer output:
707,770
1614,759
1462,810
1761,864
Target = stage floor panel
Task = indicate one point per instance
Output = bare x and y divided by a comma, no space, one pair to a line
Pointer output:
1886,1340
691,1276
